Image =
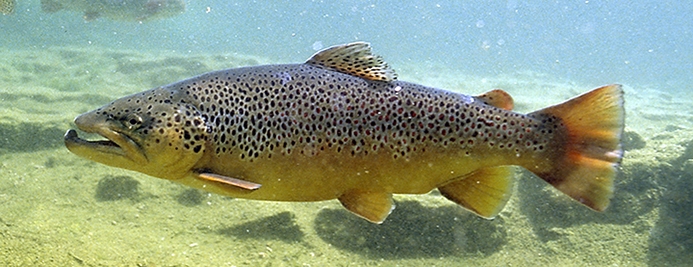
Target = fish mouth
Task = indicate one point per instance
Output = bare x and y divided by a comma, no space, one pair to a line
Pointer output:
116,148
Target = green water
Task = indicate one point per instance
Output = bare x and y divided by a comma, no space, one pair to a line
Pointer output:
61,210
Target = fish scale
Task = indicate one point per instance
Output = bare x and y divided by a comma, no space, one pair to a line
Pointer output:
340,126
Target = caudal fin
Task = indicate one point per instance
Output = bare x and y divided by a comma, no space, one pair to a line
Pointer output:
587,164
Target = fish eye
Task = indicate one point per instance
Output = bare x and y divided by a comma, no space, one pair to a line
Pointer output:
132,121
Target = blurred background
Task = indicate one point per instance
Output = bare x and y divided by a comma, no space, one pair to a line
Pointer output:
591,42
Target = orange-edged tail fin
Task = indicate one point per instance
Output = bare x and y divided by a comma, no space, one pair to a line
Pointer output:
586,165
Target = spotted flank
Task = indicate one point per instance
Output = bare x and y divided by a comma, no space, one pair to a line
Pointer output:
7,6
340,126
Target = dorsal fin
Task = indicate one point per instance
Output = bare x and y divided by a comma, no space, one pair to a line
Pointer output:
354,59
497,98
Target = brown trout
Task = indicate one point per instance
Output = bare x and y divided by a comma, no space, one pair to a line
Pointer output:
340,126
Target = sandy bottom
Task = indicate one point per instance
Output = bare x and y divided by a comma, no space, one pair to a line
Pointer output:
61,210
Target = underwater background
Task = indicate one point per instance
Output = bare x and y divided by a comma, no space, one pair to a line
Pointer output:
60,210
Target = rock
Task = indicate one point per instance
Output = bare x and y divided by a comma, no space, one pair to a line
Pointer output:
632,140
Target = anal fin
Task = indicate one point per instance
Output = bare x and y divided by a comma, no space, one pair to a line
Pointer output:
372,206
484,192
247,185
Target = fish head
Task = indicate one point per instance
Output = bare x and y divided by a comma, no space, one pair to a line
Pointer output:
152,132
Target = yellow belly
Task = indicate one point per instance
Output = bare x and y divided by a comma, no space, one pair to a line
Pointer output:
327,175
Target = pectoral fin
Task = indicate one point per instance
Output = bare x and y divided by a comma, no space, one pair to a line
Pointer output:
229,181
372,206
484,192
